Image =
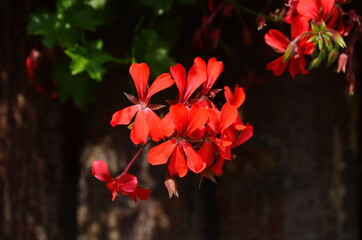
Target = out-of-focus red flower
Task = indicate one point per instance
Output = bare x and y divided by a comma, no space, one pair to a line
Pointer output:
125,183
183,156
146,121
296,61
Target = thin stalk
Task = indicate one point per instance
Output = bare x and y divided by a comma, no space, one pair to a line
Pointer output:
135,157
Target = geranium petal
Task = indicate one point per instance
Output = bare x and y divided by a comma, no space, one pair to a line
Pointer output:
229,113
206,152
140,129
160,153
154,124
237,98
194,161
217,167
161,82
197,118
245,135
276,40
214,69
177,164
180,117
127,182
100,171
277,66
113,188
299,26
125,115
308,8
178,73
140,74
167,125
195,78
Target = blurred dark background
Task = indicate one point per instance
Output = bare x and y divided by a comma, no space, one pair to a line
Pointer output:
298,177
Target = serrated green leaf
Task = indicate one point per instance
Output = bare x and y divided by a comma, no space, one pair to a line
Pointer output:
90,59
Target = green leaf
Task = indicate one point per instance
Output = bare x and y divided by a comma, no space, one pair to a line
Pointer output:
96,4
63,5
149,48
90,59
159,6
83,17
78,87
43,24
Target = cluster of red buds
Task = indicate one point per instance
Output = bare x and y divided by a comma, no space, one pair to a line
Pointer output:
194,135
317,29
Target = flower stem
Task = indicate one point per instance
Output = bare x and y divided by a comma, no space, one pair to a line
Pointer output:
135,157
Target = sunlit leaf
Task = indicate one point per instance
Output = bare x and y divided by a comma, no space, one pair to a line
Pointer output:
90,59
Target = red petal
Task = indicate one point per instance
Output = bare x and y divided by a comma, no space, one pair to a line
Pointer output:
100,171
299,26
194,161
160,153
276,40
197,118
178,73
140,193
277,66
167,125
177,165
206,152
127,182
327,7
161,82
154,124
214,69
125,115
308,8
140,73
180,117
217,167
113,188
229,113
195,78
140,129
244,136
237,98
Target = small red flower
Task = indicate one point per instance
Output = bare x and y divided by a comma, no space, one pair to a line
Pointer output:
296,62
146,121
125,183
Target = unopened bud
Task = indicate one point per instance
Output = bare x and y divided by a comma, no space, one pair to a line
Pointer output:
171,186
342,62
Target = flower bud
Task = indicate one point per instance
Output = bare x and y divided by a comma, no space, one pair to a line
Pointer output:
171,186
342,62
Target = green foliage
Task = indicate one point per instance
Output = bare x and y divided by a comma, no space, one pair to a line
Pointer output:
70,25
90,58
148,47
79,87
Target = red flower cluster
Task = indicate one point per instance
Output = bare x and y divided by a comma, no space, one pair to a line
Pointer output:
194,134
316,28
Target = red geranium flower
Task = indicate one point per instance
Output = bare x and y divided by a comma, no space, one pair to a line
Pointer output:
183,155
296,62
146,121
125,183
